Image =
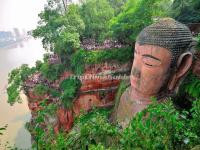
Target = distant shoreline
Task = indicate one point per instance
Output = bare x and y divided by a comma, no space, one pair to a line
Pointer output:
14,44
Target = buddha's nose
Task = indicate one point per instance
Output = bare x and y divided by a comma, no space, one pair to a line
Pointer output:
136,72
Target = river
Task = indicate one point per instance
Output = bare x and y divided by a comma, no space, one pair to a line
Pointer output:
23,16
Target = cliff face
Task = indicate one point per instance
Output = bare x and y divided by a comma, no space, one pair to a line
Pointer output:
98,86
98,90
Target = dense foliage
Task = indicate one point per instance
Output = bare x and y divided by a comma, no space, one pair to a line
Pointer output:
117,5
93,128
15,82
70,88
198,43
136,15
96,15
192,86
188,92
36,128
186,11
52,71
160,126
60,32
82,57
40,90
54,92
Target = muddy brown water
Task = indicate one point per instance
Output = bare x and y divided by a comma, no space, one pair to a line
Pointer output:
22,15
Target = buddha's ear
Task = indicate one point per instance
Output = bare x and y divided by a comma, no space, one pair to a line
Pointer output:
184,63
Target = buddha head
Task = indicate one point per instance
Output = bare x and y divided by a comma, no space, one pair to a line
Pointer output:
161,58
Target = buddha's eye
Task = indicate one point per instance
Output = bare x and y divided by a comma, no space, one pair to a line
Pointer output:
151,61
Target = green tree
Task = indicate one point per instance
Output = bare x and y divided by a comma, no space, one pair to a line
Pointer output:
96,15
15,82
194,123
60,32
49,24
117,5
136,15
52,71
186,11
69,37
40,90
70,88
94,128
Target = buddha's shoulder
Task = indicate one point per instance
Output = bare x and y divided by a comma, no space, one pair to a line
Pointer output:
123,111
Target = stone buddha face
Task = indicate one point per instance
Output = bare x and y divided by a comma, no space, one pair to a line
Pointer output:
161,60
150,70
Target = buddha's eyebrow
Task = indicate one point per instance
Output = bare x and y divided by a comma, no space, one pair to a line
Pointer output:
146,55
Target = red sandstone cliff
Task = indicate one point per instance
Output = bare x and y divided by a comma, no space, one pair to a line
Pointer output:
98,90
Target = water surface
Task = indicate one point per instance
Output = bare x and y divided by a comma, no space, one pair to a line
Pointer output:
23,16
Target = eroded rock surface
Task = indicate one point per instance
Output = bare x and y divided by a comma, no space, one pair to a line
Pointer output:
98,90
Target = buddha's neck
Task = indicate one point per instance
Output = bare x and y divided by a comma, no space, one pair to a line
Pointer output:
140,97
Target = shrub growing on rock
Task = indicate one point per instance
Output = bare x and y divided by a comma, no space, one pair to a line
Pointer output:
15,82
70,88
52,71
40,90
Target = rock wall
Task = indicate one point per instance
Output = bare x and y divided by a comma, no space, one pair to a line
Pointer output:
98,90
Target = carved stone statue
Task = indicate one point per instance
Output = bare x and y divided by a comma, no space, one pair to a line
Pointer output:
162,58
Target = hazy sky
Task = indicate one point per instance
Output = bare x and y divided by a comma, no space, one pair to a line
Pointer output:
22,14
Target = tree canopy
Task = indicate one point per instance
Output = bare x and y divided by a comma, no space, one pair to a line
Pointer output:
136,15
117,5
60,33
186,11
96,15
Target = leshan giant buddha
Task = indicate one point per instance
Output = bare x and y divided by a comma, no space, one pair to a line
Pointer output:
162,58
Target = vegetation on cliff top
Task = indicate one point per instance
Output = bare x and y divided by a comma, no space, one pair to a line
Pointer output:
82,57
96,15
136,15
186,11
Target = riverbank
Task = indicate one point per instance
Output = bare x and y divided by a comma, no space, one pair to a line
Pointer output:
16,116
